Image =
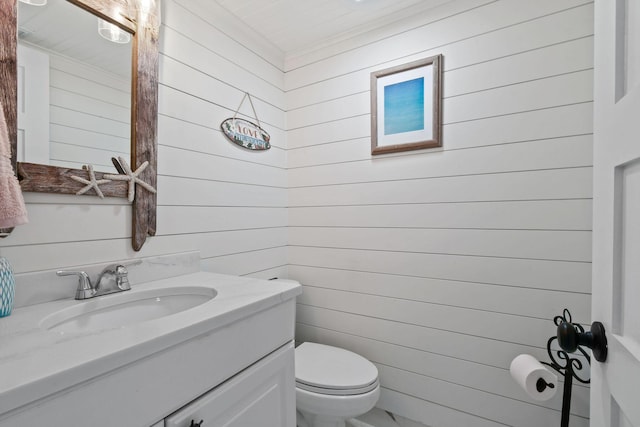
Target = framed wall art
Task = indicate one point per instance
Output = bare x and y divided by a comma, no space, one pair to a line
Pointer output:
406,106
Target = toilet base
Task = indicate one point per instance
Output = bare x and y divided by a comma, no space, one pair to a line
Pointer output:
316,410
312,420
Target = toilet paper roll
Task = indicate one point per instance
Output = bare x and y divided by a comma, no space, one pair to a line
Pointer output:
538,381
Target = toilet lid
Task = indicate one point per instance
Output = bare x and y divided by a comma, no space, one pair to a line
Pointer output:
332,370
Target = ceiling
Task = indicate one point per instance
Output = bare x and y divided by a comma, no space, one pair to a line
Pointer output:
298,25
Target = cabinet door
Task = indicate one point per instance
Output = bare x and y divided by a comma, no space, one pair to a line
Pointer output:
262,395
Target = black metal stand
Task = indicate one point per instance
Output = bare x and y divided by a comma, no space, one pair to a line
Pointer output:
568,334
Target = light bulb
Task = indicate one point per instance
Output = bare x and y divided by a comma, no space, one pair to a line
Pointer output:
112,32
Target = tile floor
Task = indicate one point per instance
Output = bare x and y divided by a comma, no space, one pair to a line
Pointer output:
380,418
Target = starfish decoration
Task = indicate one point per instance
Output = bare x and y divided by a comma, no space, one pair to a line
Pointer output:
132,177
92,182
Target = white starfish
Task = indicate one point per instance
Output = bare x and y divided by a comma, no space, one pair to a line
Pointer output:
132,177
92,182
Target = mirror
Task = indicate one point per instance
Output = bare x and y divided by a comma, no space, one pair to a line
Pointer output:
141,19
74,87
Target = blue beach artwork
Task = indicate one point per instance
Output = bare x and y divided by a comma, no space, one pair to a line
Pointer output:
404,107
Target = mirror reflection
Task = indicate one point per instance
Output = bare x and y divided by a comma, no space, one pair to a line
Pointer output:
74,87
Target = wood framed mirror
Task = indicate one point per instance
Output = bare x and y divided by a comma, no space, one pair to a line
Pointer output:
141,19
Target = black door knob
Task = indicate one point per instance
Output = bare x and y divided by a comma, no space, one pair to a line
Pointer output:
571,335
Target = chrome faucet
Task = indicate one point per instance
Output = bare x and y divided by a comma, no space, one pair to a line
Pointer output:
113,278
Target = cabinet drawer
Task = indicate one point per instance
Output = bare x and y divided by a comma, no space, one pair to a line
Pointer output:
262,395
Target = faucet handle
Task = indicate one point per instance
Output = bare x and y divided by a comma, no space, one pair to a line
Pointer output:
84,290
122,274
122,277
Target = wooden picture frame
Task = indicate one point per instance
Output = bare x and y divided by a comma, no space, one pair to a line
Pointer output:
406,107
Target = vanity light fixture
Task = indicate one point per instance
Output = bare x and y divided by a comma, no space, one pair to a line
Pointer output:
35,2
112,32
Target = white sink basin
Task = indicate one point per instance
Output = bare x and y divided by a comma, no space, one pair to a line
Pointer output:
125,309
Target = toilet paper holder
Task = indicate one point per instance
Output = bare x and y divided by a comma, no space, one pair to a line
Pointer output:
571,337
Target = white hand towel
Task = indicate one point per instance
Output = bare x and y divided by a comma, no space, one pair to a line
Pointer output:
12,209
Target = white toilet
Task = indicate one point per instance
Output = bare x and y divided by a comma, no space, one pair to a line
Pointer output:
333,385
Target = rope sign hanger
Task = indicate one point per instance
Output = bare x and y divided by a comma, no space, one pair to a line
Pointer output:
255,115
244,133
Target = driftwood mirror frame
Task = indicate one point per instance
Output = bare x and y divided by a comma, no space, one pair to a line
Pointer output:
142,19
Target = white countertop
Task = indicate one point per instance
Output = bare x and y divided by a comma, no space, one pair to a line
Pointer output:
35,363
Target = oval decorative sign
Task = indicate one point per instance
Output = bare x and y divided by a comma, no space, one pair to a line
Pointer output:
246,134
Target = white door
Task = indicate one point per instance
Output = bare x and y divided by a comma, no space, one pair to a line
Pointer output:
33,105
615,387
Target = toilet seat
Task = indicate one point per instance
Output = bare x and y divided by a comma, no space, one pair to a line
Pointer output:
333,371
336,392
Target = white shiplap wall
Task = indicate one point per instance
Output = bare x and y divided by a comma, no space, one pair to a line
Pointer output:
441,266
213,197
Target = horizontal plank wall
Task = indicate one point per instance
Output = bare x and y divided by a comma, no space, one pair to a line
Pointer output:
442,265
214,197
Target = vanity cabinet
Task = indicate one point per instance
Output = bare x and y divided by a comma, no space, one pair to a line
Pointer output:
260,396
234,368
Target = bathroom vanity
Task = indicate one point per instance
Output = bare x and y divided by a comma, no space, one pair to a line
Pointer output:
199,349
